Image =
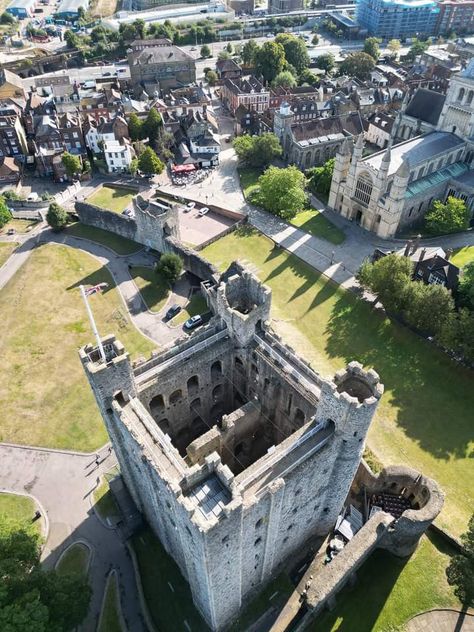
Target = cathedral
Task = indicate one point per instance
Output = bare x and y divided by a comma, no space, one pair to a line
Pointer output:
389,190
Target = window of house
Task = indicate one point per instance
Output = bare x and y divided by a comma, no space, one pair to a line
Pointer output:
363,189
435,279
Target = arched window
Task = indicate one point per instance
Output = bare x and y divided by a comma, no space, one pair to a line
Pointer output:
299,417
461,94
193,385
239,364
176,396
216,370
363,190
470,95
157,405
217,393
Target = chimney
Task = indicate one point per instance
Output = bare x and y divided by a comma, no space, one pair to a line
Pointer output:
416,243
448,254
422,255
408,248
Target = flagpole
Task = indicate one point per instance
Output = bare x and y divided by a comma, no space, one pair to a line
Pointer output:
93,325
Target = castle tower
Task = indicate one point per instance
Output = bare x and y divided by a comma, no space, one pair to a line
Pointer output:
282,121
382,173
341,167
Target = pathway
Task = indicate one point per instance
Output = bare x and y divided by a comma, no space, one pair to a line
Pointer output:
63,482
442,621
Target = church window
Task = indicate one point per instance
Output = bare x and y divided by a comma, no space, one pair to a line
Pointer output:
430,169
461,94
363,189
470,95
420,207
410,212
458,157
421,172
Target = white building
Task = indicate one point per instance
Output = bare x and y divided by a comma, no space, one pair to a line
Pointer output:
379,129
118,155
394,188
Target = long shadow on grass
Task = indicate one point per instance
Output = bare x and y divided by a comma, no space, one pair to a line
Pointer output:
432,394
99,276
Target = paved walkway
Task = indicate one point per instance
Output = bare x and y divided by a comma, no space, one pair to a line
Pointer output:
63,483
442,621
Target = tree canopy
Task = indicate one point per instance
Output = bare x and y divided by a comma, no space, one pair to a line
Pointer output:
206,51
270,60
326,62
257,151
372,48
358,65
151,126
135,126
466,285
56,217
170,266
387,278
148,162
308,77
320,178
5,215
460,572
249,52
72,164
296,53
449,217
394,46
281,191
284,79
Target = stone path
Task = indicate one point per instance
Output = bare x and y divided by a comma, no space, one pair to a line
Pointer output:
442,621
63,483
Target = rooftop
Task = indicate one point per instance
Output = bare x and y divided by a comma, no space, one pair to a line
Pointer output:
426,105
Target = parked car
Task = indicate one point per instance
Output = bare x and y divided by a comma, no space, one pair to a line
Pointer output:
190,205
107,74
11,231
193,322
173,310
203,211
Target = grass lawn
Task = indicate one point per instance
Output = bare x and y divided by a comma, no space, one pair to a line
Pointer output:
19,226
110,615
117,243
115,200
44,394
463,256
197,305
104,502
16,507
314,223
74,561
169,608
403,588
6,249
425,416
153,287
248,179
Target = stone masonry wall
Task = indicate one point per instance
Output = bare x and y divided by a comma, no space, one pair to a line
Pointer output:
106,220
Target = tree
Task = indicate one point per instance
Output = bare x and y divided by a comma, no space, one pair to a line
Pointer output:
211,77
284,79
257,151
417,48
224,55
135,127
315,40
229,48
72,164
371,47
466,285
281,191
270,60
358,65
148,162
387,278
56,217
460,572
296,53
206,51
450,217
394,46
326,62
170,266
151,126
458,334
133,168
5,215
249,52
31,598
307,77
320,178
427,307
7,18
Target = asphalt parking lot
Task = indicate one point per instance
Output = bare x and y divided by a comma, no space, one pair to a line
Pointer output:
196,230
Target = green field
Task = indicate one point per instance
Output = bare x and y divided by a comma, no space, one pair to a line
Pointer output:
463,256
391,590
110,615
19,226
44,394
116,200
6,249
74,560
16,507
153,287
119,244
248,179
314,223
425,416
169,607
197,305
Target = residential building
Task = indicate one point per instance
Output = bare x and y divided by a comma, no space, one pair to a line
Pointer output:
70,129
228,69
398,18
455,16
161,64
69,9
11,85
12,133
205,149
21,8
379,129
251,122
392,189
118,155
248,91
419,113
97,133
285,6
311,143
9,170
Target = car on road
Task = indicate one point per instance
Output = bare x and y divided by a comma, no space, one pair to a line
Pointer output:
107,74
173,310
190,205
193,322
11,231
203,211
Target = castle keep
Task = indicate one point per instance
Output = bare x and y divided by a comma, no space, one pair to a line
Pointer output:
234,449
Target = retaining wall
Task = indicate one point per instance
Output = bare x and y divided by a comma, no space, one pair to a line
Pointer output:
192,260
106,220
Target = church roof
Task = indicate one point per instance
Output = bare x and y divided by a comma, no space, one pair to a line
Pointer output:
417,150
426,105
332,126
